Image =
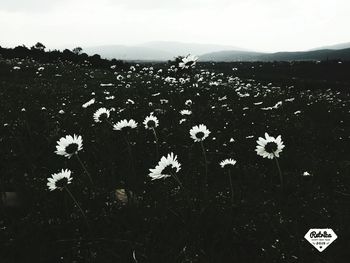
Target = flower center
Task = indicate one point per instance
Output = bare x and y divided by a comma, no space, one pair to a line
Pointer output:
271,147
61,183
200,135
169,170
103,117
151,124
72,148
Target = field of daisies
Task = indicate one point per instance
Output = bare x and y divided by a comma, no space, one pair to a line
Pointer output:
171,162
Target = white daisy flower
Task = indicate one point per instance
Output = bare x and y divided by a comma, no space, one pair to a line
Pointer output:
182,121
269,147
69,145
188,102
101,115
59,180
89,103
166,167
125,124
185,112
306,173
199,133
188,62
228,162
151,122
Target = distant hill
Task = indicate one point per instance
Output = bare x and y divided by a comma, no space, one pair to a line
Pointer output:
157,50
334,47
167,50
128,52
228,56
231,55
180,48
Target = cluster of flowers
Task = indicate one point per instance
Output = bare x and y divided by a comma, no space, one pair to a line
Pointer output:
268,147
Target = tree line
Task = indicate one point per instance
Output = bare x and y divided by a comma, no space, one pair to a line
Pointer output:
76,55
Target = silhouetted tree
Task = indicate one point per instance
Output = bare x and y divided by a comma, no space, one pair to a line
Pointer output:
77,50
38,46
21,51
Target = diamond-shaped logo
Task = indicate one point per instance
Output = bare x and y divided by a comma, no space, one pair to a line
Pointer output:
320,238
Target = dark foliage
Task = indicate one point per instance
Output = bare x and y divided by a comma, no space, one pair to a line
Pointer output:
38,53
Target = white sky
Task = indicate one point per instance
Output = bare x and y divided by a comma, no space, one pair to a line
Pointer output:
264,25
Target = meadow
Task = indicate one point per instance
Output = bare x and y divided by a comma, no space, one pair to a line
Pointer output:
112,211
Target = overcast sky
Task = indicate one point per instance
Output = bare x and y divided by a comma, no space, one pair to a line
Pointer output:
263,25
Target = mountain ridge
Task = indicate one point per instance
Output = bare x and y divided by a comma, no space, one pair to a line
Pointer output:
168,50
230,56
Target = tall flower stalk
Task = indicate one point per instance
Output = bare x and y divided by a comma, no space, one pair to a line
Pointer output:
205,164
85,169
79,207
150,123
168,166
157,142
60,181
279,171
229,163
199,134
125,126
270,147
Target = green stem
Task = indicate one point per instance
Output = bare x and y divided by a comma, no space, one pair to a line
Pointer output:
231,185
110,123
157,145
130,154
279,171
182,187
84,168
206,168
77,204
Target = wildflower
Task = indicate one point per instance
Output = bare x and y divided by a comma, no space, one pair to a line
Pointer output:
124,125
89,103
185,112
69,145
199,133
129,101
167,166
59,180
188,62
306,173
230,162
269,146
188,103
151,122
101,115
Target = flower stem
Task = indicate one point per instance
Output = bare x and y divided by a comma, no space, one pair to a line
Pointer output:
84,168
110,123
182,187
206,168
279,171
157,144
231,185
79,207
130,154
